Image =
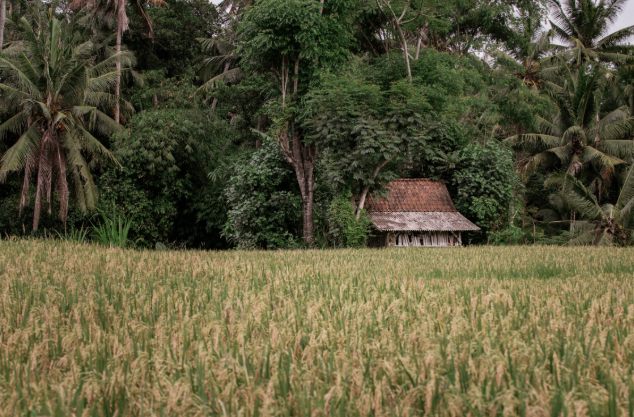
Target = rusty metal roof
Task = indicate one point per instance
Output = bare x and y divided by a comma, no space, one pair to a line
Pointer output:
413,195
421,221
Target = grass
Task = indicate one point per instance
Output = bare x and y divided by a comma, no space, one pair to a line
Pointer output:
535,331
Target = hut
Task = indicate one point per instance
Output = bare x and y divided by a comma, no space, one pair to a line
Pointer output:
416,212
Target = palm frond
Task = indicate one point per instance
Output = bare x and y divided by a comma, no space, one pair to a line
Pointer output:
573,132
542,159
584,239
577,196
616,37
602,238
15,157
599,160
92,146
230,76
125,57
104,124
24,82
626,195
614,57
548,127
533,142
563,153
103,82
14,125
616,130
621,149
548,215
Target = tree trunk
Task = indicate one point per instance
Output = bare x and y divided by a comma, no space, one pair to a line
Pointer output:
404,41
307,205
121,21
421,33
303,158
367,189
386,43
284,79
303,162
3,10
296,73
42,175
362,201
418,44
262,119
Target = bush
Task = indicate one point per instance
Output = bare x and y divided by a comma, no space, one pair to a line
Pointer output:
113,231
164,156
264,202
344,228
487,187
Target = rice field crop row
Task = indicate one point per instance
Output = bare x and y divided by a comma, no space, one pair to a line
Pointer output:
529,331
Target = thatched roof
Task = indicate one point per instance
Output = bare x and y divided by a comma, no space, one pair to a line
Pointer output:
417,205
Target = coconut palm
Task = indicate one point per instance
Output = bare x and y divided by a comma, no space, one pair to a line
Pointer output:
577,138
55,92
600,225
583,26
525,54
114,11
222,54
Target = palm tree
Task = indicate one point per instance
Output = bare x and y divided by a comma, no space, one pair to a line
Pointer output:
577,138
222,54
583,25
216,67
601,225
525,54
115,10
56,93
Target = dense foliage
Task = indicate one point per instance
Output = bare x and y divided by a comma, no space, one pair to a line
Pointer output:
268,123
263,202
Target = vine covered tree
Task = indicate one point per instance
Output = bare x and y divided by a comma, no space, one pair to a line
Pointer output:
293,41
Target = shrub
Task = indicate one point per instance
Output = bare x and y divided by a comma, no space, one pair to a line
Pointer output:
263,200
487,186
114,230
164,154
345,230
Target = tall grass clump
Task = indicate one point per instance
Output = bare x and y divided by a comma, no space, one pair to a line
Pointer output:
113,231
74,235
530,331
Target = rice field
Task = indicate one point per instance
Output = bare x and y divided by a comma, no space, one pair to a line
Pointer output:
482,331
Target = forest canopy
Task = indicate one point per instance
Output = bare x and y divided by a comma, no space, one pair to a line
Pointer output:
253,123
